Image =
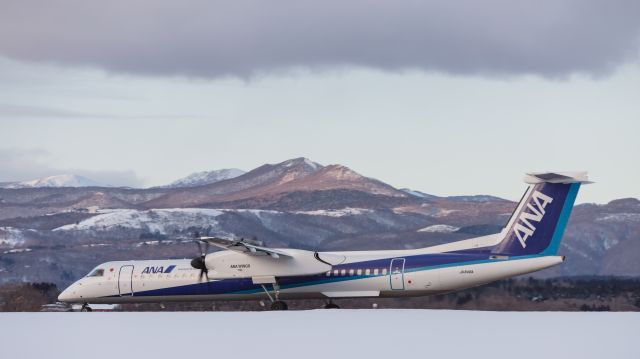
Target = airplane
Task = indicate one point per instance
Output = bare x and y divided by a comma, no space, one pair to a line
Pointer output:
248,270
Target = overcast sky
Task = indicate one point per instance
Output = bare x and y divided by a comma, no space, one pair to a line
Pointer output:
447,97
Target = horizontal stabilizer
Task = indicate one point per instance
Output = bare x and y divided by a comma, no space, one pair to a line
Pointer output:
557,177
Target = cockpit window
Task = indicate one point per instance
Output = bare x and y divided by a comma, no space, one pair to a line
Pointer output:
96,273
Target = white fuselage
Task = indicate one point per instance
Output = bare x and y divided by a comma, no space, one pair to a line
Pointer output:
237,276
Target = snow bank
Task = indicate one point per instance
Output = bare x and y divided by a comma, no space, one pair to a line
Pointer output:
320,334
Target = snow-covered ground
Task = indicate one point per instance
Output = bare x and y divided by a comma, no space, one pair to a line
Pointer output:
10,236
320,334
167,219
620,217
17,250
154,220
348,211
439,228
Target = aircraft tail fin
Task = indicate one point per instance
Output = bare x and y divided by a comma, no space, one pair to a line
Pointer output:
538,222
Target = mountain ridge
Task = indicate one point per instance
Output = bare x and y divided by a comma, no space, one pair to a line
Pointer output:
296,203
56,181
202,178
295,175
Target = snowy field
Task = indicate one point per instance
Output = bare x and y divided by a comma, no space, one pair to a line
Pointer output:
320,334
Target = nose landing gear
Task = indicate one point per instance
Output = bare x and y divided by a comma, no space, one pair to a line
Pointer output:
86,308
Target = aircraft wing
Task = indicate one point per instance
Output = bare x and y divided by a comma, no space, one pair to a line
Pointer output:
247,246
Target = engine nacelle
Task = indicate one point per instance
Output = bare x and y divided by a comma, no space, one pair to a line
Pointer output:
229,264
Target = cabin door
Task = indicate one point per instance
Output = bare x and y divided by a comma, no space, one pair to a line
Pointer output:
125,283
396,274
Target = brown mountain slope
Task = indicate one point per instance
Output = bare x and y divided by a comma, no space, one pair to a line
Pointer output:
272,181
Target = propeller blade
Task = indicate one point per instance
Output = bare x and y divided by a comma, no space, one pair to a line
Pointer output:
204,272
199,262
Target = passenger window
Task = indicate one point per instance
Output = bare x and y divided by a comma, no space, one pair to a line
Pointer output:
343,272
96,273
328,273
350,271
367,272
336,272
359,271
384,271
375,271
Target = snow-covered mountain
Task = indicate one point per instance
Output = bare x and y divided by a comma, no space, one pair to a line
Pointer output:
65,180
206,177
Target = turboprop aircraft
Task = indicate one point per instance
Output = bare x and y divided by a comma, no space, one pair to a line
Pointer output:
246,269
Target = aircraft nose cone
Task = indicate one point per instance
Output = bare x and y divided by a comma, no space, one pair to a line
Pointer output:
64,296
68,295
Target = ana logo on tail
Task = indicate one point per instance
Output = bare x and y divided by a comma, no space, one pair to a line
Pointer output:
523,227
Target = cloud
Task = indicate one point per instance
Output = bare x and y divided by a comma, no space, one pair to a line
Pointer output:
20,111
28,164
208,38
12,111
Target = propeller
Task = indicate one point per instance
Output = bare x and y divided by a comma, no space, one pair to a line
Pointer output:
198,262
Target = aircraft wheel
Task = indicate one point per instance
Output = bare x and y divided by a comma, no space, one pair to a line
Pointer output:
86,308
279,305
331,306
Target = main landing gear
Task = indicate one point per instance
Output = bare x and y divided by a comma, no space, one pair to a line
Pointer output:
331,305
86,308
276,304
279,305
